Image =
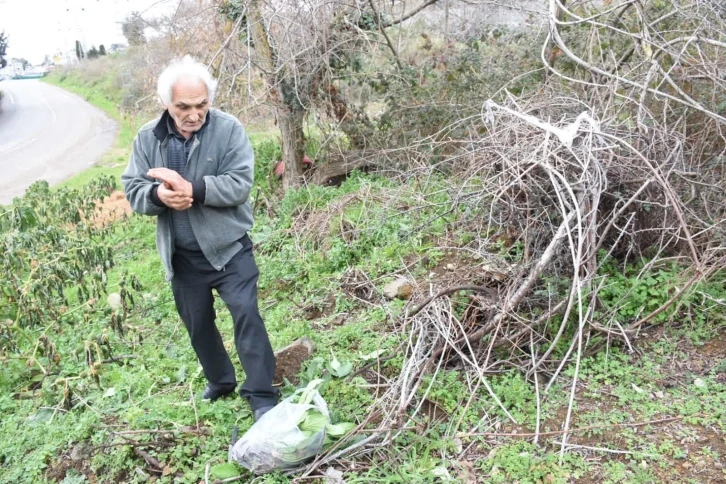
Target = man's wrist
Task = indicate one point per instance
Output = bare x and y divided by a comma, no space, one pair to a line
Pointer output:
155,197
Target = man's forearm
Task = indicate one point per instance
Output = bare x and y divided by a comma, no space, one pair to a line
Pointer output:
228,190
139,193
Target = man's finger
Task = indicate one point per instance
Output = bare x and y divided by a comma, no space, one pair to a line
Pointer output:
170,182
174,199
163,174
180,205
163,177
180,197
159,170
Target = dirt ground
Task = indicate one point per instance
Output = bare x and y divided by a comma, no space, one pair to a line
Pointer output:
691,464
114,207
289,364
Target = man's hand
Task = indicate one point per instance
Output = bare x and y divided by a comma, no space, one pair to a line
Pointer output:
173,199
172,180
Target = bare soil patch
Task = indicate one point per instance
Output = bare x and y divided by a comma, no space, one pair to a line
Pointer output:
112,208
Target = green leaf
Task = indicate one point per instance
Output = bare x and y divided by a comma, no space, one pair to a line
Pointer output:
313,421
181,375
340,429
339,369
313,369
371,356
43,415
73,477
307,439
224,471
307,395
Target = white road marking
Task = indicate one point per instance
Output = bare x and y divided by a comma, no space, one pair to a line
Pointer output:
50,108
21,145
12,99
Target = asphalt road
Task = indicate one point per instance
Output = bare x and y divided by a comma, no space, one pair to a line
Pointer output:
47,133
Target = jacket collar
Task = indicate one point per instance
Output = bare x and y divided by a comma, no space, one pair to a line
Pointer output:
162,130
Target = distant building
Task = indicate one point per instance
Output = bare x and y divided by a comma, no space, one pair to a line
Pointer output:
17,66
117,48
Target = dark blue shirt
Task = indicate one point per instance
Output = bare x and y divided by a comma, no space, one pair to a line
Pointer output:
178,154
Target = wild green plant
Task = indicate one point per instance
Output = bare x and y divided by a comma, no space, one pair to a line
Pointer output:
51,247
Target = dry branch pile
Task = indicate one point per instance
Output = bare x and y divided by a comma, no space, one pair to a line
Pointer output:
620,159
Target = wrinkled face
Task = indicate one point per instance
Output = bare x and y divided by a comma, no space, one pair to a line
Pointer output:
189,105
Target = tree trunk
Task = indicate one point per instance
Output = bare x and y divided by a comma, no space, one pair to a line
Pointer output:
290,122
290,114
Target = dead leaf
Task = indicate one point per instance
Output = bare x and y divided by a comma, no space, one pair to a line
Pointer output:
466,471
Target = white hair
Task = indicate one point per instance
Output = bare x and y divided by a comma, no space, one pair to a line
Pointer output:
183,68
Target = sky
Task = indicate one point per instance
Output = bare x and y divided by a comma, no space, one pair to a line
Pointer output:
36,28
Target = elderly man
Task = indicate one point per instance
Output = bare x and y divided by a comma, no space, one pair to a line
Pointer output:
193,169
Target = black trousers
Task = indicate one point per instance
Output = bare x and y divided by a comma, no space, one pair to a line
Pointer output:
192,284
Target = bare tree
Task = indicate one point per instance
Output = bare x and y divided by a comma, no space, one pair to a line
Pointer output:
296,45
672,51
133,29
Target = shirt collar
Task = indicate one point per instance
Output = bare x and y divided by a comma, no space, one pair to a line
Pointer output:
165,126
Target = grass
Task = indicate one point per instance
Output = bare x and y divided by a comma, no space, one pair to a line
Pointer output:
153,390
311,242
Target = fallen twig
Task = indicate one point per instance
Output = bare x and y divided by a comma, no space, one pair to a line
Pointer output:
445,292
570,431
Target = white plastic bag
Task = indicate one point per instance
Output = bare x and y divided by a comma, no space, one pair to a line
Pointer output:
276,441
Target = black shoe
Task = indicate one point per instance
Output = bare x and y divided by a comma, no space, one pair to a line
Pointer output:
212,394
261,411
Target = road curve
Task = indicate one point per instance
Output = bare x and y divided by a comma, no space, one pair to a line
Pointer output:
47,133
